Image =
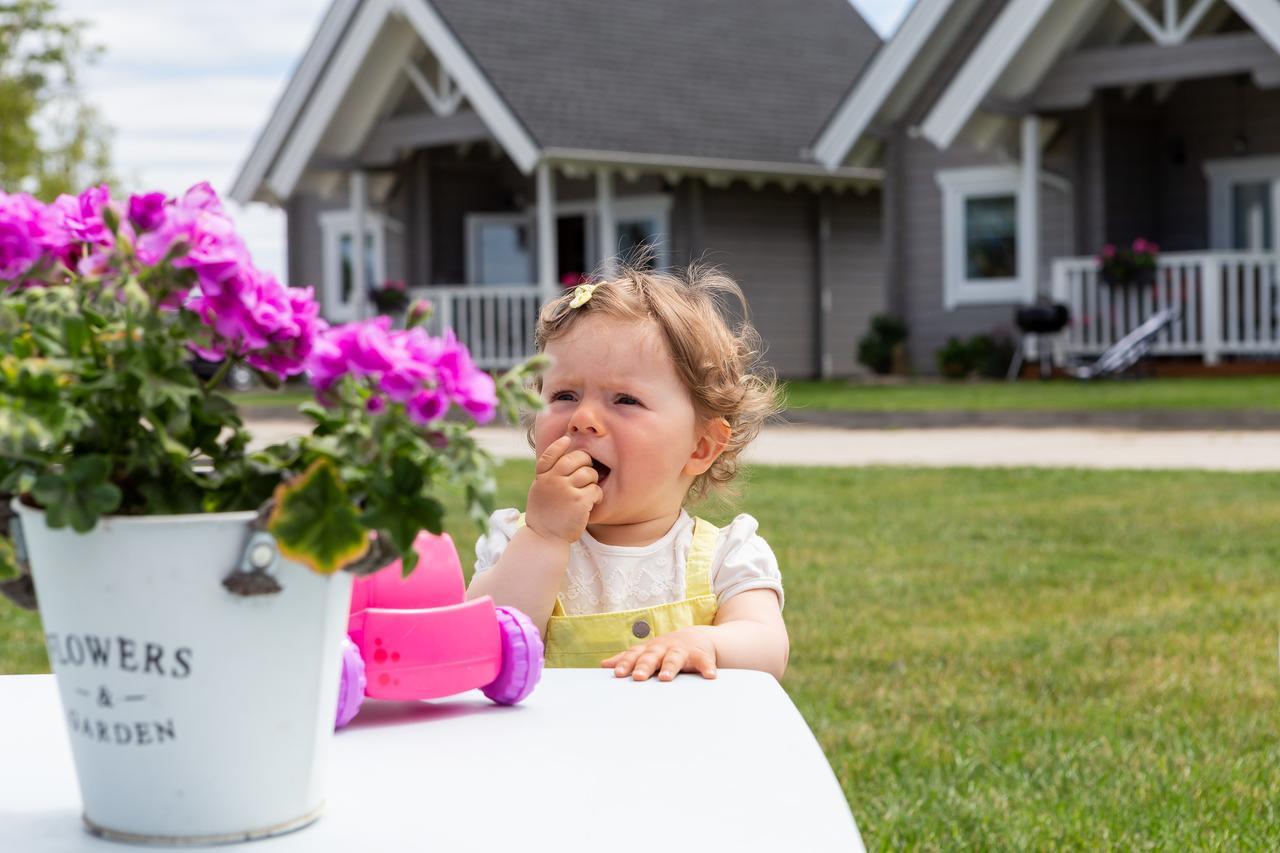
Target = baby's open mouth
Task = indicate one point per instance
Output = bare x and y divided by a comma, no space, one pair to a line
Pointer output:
601,469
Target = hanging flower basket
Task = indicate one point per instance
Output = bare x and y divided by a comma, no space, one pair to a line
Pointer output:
194,591
1132,267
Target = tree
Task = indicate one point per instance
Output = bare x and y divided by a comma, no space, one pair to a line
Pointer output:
51,140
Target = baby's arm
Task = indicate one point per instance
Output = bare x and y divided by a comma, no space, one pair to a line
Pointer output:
528,573
748,634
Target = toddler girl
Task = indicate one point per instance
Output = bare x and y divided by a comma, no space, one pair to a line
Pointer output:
650,397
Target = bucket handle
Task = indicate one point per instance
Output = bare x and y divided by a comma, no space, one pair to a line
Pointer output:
256,574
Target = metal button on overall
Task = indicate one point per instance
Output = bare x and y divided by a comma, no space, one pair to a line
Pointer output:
640,629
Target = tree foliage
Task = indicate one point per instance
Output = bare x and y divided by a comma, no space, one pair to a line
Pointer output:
51,139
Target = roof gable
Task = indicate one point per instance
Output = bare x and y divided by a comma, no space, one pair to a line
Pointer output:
734,80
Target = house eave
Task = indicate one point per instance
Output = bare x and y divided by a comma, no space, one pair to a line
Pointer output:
891,62
714,166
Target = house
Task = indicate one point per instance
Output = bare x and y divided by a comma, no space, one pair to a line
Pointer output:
1018,137
494,150
487,152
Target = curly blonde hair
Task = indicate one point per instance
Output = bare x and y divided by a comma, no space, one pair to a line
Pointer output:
717,359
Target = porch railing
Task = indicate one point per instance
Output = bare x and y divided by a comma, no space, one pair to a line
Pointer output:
1230,304
495,323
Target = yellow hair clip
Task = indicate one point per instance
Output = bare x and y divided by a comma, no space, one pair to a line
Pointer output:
582,295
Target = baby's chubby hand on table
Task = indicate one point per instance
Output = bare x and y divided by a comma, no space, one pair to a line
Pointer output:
686,650
563,493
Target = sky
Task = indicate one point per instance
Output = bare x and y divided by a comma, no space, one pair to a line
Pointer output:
187,88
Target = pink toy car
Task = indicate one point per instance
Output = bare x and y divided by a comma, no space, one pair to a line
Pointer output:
418,638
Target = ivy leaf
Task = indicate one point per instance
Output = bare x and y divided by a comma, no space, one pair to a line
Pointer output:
79,495
314,522
398,508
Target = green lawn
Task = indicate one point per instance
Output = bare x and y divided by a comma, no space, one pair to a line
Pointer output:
1219,393
1224,393
1017,658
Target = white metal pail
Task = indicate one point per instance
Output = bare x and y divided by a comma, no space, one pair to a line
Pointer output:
195,715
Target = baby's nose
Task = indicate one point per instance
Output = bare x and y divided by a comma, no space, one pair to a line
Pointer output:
584,419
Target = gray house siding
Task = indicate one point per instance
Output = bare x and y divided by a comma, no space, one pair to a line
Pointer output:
764,239
855,276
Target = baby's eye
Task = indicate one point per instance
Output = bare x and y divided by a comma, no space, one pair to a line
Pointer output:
561,395
628,400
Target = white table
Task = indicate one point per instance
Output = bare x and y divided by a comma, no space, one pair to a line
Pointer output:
588,762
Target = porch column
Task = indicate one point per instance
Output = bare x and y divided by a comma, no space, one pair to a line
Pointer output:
1029,206
359,287
548,262
608,230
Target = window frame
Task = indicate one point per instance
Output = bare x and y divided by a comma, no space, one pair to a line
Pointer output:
958,186
1223,175
334,225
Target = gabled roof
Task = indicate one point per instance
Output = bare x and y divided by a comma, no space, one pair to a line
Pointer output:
733,81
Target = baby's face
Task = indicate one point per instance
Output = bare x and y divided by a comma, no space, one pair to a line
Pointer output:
613,388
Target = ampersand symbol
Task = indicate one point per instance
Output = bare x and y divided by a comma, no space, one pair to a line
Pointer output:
104,698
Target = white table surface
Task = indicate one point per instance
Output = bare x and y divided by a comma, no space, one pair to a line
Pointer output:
588,762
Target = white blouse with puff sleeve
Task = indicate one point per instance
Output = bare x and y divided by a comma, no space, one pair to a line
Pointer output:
607,578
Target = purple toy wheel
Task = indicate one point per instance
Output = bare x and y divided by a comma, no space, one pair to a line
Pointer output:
351,683
521,658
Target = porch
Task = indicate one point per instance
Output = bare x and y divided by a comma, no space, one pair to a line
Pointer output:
1230,303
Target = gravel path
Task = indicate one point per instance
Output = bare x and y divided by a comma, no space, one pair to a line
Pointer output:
1220,450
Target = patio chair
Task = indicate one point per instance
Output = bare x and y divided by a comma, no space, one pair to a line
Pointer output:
1129,350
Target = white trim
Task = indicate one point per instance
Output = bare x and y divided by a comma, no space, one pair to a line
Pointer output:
1222,175
726,166
350,58
1028,236
982,69
888,66
958,185
606,224
545,230
1263,16
472,82
304,139
334,225
249,180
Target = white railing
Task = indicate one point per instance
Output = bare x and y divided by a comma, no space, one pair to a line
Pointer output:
1230,304
495,323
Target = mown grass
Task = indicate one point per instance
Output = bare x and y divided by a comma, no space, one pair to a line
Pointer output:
1017,658
1060,395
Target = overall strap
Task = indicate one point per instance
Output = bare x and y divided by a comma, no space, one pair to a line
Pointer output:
697,570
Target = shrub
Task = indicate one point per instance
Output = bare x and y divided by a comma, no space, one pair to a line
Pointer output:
876,347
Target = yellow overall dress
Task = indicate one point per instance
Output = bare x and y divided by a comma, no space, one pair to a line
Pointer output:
584,641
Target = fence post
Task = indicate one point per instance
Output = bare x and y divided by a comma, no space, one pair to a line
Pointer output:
1061,294
446,312
1211,313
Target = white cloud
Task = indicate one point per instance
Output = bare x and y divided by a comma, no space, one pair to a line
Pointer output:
187,88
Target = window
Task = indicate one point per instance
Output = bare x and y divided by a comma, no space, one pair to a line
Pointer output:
1244,198
502,247
340,302
982,263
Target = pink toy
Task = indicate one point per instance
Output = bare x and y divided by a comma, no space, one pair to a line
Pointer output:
418,638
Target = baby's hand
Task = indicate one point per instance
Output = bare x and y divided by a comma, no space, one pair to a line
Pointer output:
686,650
563,493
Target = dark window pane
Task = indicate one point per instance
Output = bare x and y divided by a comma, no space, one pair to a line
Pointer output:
991,237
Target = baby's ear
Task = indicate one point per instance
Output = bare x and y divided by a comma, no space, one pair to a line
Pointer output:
713,437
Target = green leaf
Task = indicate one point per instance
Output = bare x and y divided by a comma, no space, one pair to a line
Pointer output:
397,507
315,523
8,560
79,495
